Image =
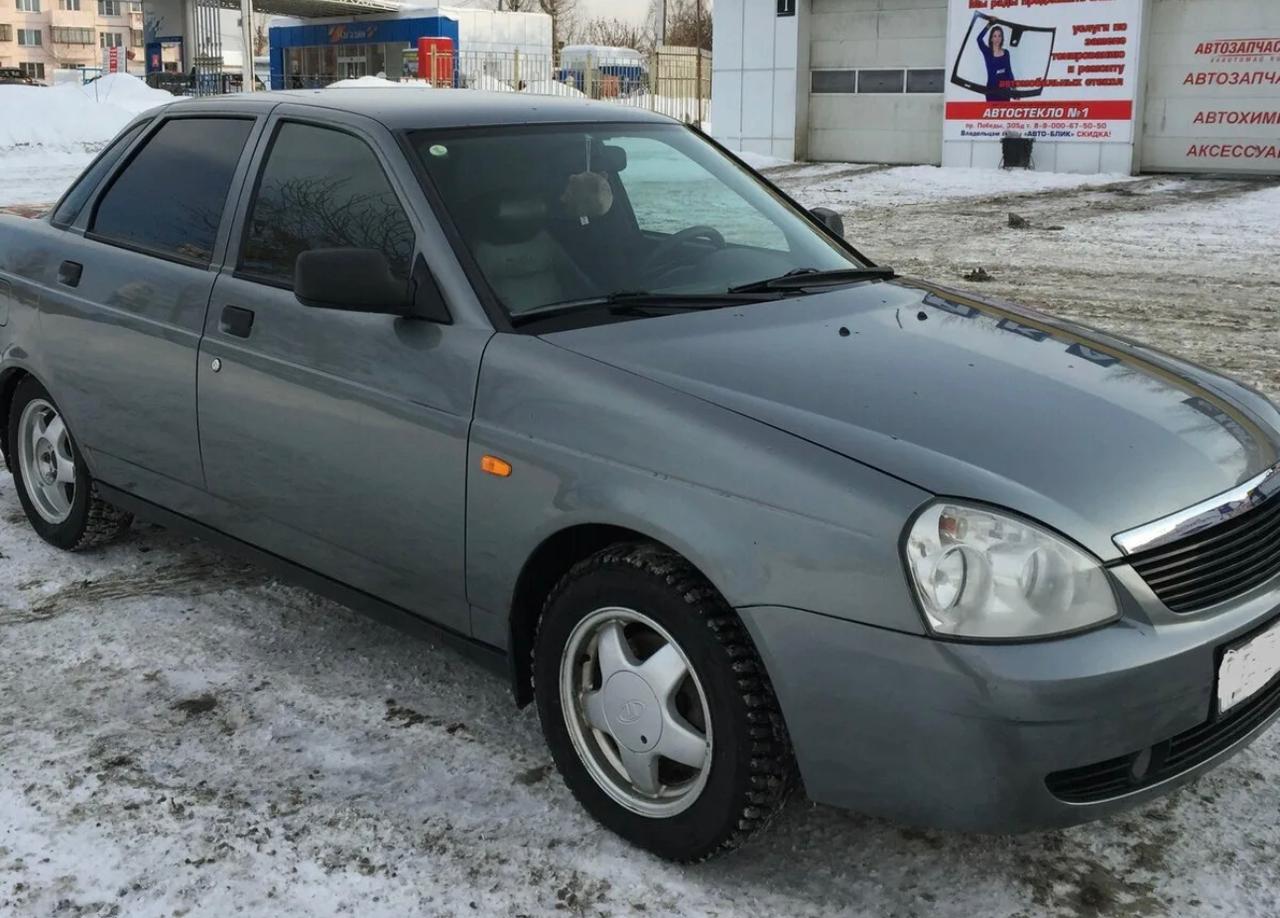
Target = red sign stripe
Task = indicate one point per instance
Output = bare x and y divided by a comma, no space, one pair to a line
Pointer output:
1033,110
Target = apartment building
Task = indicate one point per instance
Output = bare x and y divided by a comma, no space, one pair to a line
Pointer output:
41,37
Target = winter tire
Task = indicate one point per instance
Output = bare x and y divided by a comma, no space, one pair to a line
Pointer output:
656,707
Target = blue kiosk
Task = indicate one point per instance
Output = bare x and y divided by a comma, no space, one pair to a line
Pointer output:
322,52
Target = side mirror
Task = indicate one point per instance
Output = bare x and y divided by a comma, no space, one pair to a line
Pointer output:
830,219
355,280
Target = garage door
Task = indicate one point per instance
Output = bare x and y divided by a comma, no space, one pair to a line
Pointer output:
1213,87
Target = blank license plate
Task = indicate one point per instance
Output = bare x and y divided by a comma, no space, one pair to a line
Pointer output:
1248,667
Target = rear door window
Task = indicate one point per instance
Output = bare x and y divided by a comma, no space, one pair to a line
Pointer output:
70,206
322,189
170,197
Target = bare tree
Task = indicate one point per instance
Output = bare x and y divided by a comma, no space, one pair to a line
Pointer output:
563,15
618,33
688,23
260,38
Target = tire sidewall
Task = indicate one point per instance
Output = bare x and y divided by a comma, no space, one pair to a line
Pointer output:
697,830
68,533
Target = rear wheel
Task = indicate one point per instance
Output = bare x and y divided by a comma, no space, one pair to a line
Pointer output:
656,706
53,481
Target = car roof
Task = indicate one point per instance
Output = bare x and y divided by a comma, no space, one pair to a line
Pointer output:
412,107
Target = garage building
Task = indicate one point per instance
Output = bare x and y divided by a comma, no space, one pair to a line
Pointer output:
1093,86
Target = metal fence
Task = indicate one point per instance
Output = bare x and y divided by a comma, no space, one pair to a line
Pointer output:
206,74
662,82
672,81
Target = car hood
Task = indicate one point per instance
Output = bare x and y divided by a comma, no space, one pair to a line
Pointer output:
1085,432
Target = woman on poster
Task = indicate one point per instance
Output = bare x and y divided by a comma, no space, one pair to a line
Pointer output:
999,67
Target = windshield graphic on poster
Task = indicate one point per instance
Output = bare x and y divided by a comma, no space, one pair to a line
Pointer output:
1052,70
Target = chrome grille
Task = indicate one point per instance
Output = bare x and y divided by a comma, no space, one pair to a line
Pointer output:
1215,564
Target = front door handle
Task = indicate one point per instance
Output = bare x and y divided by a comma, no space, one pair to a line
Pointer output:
237,321
69,273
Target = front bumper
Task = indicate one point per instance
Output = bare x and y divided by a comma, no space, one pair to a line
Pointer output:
965,736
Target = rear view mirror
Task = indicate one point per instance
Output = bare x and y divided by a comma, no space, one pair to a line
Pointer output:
356,280
830,219
613,159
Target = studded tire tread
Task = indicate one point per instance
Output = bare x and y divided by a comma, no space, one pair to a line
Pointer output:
105,524
772,772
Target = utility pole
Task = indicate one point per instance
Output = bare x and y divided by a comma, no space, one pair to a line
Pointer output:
246,35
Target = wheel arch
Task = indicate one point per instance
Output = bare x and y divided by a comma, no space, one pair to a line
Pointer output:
9,379
542,570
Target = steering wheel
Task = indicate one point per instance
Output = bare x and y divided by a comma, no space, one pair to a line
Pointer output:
660,254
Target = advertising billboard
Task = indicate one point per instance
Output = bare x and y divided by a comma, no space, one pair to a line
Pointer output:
1213,88
1060,71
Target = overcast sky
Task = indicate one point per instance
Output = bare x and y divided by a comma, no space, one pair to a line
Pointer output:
623,9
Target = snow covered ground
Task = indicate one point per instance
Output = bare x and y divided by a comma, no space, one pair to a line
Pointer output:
179,734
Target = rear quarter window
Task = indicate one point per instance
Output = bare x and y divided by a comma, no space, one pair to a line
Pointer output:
71,204
170,198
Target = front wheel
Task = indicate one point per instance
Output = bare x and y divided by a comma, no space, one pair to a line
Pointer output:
53,481
656,706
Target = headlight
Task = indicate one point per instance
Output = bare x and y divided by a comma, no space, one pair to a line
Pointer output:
989,576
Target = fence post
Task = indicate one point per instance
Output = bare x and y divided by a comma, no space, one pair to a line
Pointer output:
516,83
655,78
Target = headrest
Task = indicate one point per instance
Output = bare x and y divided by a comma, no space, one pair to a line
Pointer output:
510,217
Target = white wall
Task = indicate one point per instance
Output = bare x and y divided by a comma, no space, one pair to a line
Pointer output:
759,101
760,94
487,30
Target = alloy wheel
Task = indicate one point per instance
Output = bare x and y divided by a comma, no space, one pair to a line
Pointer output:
636,712
46,461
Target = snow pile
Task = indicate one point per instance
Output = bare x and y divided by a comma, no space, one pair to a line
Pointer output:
373,82
73,117
554,88
760,161
123,91
487,83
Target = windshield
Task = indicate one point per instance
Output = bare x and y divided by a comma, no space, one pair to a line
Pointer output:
570,215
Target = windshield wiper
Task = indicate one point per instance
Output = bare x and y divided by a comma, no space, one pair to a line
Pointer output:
802,278
637,302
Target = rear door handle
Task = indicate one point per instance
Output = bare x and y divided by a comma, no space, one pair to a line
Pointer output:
69,273
237,321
